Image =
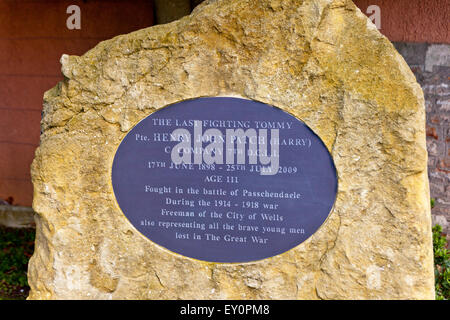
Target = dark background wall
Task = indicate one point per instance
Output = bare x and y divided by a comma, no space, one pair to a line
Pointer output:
33,36
413,20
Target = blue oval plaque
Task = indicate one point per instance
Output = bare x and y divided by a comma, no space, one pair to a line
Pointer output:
224,179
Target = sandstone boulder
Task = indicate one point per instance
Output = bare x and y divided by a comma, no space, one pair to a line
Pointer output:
322,61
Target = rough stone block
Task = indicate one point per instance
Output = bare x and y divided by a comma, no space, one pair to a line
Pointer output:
323,62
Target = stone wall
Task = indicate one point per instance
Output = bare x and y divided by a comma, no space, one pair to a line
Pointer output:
431,66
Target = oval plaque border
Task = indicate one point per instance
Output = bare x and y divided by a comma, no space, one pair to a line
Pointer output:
330,212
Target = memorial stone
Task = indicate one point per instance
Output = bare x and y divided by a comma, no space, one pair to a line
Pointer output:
270,149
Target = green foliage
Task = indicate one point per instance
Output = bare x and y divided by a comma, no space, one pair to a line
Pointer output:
442,264
433,202
16,247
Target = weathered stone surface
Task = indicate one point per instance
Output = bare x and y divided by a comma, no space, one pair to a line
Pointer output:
436,88
320,60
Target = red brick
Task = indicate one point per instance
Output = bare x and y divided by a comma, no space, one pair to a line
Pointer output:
431,132
435,120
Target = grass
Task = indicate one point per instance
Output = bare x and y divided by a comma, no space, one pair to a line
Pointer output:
16,248
441,264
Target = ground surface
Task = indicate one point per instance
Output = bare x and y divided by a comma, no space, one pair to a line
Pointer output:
16,247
